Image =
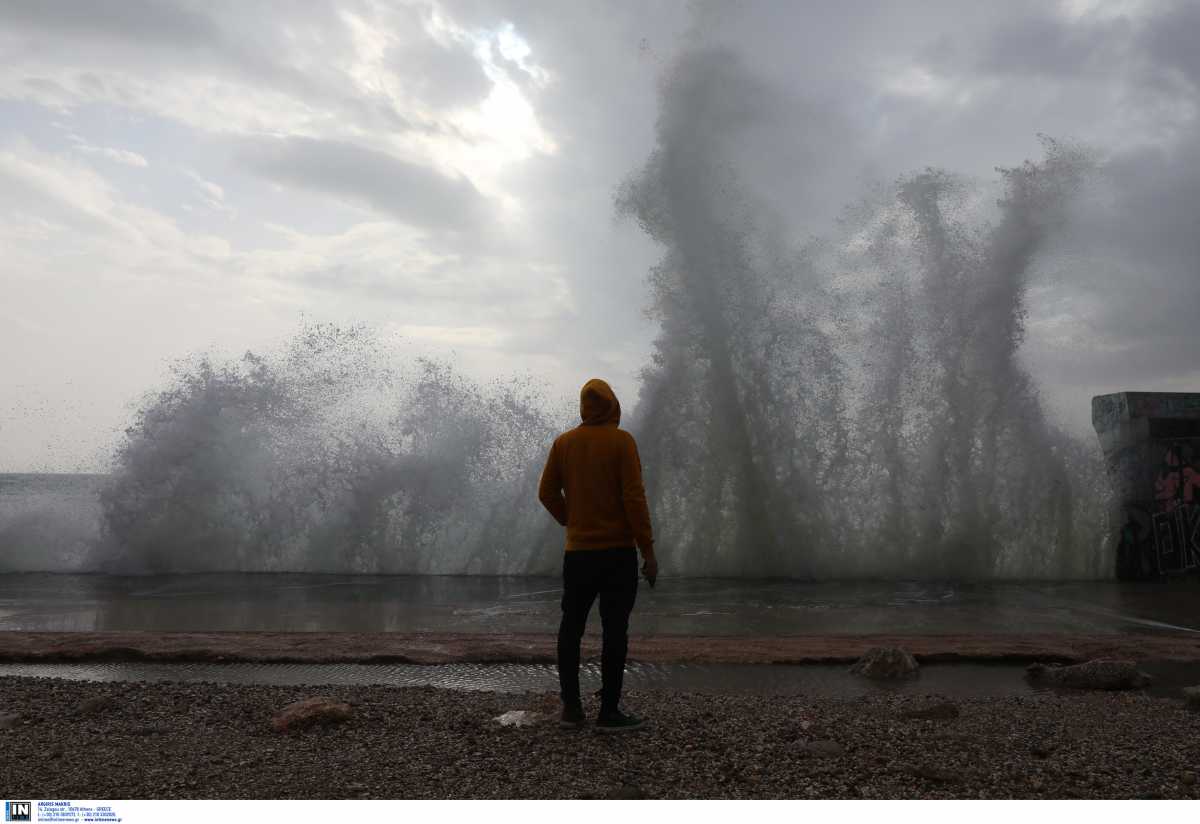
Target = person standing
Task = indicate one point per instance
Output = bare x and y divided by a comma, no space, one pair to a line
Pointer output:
592,485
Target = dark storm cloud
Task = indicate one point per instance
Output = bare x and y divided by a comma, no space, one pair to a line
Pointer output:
1155,51
1140,249
1045,44
1171,41
1126,268
413,194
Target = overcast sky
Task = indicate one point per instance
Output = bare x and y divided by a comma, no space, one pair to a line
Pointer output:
184,176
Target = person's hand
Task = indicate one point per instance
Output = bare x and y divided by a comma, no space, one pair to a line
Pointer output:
650,569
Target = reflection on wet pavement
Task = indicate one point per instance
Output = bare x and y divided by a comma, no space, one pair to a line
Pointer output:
344,603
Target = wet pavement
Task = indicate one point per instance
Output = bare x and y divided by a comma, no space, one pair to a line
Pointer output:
961,680
415,604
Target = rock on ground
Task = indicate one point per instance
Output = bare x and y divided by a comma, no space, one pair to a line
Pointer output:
309,711
522,718
1100,674
886,663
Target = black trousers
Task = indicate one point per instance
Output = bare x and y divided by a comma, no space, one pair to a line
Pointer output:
611,574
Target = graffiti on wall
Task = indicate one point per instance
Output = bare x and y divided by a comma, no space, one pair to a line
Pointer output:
1137,556
1176,517
1178,482
1151,444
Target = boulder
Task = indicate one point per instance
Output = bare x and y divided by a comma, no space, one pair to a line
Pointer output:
886,663
310,711
1099,674
1192,696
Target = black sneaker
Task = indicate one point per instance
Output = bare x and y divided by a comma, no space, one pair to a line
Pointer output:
572,717
617,721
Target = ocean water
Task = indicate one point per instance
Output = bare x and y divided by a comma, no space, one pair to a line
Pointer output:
51,524
676,606
48,521
60,523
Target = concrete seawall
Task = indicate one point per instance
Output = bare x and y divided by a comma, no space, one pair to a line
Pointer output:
1151,443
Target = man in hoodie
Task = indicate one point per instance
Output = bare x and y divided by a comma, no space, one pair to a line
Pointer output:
597,468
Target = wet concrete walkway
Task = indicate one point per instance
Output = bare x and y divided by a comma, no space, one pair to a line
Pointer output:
539,648
962,680
442,620
486,605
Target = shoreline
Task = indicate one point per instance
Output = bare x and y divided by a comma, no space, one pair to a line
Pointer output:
195,741
445,648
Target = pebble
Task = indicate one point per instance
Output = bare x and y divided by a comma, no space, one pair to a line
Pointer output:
9,720
407,743
942,711
822,749
96,704
935,773
1042,750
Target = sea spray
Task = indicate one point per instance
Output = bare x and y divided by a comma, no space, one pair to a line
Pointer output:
48,522
741,411
850,406
855,406
331,456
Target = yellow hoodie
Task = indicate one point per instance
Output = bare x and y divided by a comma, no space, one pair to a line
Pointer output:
597,466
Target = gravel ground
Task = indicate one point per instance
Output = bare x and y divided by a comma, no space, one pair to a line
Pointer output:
170,740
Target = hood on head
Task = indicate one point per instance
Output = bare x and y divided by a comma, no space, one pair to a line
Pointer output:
598,404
